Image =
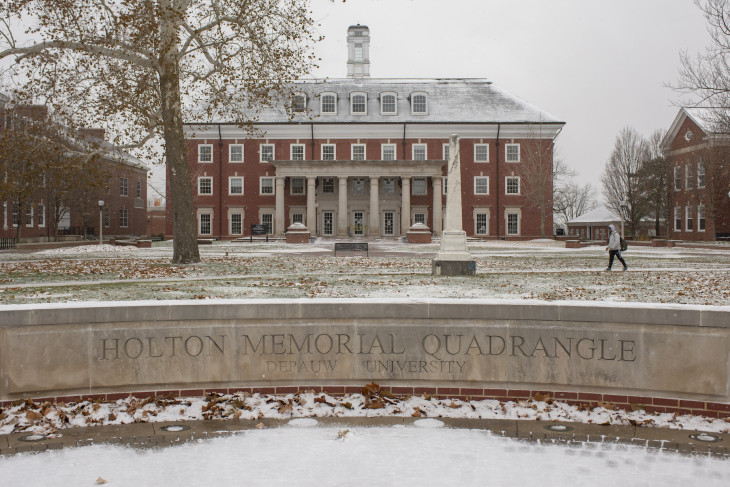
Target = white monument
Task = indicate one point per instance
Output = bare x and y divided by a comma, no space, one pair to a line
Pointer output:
453,259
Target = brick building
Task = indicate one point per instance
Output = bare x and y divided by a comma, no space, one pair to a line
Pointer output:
124,196
699,175
365,156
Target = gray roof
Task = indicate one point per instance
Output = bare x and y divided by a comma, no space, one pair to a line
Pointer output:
459,100
600,215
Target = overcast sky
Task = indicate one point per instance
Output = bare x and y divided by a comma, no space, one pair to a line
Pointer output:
597,65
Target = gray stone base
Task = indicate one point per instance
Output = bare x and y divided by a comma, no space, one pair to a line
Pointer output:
453,268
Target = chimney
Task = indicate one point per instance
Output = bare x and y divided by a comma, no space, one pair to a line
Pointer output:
358,51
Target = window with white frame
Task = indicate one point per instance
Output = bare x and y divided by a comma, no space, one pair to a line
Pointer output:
388,185
235,185
297,217
267,220
388,104
358,104
205,226
235,153
297,185
419,152
299,102
29,217
236,224
445,151
701,222
358,152
328,152
419,104
358,51
700,174
266,152
512,152
358,185
123,187
205,153
419,217
677,219
328,185
688,178
677,178
387,152
481,222
123,218
481,184
444,185
481,153
689,218
41,218
205,185
107,214
266,185
297,152
513,223
418,186
328,104
139,189
512,184
16,216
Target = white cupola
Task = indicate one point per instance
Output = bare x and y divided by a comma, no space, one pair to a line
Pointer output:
358,51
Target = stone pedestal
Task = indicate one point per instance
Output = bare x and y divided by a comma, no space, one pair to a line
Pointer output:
297,233
418,234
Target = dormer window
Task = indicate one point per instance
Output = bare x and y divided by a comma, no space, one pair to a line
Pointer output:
358,104
299,102
419,104
388,104
328,104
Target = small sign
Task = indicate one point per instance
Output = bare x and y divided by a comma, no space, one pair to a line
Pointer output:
258,229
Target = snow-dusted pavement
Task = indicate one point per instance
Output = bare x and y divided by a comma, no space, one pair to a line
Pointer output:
304,454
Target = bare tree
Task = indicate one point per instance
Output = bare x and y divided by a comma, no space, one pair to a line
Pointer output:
706,77
621,184
140,67
571,201
539,171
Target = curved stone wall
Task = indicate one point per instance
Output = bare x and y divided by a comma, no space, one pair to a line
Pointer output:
465,347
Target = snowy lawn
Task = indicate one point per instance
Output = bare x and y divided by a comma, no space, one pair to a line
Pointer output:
418,455
540,269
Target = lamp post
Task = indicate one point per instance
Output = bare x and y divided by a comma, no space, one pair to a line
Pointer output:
624,207
101,222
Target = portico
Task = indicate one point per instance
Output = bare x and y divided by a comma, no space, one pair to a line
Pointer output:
363,188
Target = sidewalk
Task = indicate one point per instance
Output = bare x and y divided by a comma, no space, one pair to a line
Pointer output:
159,435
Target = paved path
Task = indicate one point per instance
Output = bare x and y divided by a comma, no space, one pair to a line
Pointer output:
159,435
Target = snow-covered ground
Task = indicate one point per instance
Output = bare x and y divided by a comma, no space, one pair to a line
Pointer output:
538,269
304,454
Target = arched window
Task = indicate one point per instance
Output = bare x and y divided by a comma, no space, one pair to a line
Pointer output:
328,104
388,104
358,104
419,104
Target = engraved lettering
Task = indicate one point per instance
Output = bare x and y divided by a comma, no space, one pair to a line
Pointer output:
150,342
189,346
127,347
592,349
105,349
518,346
603,351
627,347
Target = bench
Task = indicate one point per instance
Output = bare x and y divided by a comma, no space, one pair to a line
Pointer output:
352,247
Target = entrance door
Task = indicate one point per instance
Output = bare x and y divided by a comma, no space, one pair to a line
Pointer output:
358,223
389,223
327,226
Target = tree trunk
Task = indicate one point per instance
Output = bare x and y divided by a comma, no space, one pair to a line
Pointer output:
185,242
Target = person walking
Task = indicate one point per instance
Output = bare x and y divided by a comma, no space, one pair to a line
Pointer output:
614,247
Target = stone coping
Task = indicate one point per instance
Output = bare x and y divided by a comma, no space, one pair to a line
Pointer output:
164,434
354,309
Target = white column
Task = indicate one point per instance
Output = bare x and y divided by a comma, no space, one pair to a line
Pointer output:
311,205
342,207
374,207
279,223
405,205
5,215
437,208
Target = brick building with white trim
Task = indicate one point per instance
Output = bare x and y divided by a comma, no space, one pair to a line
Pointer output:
363,156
